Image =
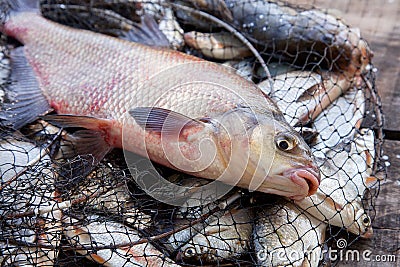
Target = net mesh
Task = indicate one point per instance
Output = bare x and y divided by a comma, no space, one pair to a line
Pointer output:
77,212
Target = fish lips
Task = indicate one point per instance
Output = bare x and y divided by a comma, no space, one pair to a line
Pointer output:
306,177
295,183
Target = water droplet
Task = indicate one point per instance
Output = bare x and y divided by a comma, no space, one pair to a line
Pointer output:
264,28
261,16
251,24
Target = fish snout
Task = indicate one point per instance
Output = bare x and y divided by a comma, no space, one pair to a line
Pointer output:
308,177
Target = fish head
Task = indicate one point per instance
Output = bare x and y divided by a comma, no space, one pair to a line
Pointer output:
362,225
197,249
267,154
289,168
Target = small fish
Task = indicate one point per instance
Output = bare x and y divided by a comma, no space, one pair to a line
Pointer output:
284,235
117,103
287,90
346,176
339,121
115,201
295,34
99,232
303,95
28,190
186,214
225,238
171,29
217,45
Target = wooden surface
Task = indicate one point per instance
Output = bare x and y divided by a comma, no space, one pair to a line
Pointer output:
379,21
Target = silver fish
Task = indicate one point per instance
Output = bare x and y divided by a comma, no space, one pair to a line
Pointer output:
171,29
287,90
303,95
31,190
180,238
339,121
225,238
97,232
284,235
114,200
346,176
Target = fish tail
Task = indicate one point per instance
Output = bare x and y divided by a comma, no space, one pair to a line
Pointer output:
24,100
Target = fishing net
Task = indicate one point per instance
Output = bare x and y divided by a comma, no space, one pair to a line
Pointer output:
79,212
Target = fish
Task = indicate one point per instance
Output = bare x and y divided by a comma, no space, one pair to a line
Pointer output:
294,34
28,185
186,214
346,176
170,27
114,200
284,235
304,95
339,121
220,45
99,231
134,106
225,238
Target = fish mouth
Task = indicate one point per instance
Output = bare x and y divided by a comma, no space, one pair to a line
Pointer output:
309,175
295,183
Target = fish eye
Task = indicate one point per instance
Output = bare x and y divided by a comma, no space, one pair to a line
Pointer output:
285,142
189,252
366,221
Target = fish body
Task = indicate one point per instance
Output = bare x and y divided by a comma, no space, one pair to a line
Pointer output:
293,34
217,45
125,92
171,29
99,232
225,238
346,175
286,236
339,121
25,191
304,95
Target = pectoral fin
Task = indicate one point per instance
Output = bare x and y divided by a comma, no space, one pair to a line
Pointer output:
163,121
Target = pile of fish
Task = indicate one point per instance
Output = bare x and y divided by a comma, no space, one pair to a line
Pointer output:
68,197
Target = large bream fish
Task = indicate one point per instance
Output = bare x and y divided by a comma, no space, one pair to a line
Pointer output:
180,111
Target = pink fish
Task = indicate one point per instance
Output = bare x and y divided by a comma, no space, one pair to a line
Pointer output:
180,111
